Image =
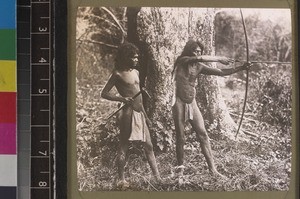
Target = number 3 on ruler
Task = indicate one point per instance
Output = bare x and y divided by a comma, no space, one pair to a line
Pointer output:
42,29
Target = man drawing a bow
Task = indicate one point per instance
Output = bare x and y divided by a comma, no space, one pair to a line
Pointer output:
188,66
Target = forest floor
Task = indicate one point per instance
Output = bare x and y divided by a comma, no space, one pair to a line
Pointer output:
260,163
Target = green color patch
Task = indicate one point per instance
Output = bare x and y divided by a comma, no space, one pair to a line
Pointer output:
7,44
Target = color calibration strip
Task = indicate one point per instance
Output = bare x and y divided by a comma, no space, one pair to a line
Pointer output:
8,99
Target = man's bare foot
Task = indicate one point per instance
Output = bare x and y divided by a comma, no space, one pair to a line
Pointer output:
215,173
158,180
179,170
122,184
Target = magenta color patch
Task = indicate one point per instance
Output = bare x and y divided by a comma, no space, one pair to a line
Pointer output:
8,140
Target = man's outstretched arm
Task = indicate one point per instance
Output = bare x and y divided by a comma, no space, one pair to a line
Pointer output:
204,58
222,72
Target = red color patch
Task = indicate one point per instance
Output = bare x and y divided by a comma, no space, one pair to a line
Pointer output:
8,107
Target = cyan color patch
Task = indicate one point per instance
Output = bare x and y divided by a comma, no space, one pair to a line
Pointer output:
8,14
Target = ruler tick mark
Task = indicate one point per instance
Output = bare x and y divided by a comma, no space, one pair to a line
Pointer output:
40,33
39,156
36,95
40,188
38,2
40,64
36,125
23,6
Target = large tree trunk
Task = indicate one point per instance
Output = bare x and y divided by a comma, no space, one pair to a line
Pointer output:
162,34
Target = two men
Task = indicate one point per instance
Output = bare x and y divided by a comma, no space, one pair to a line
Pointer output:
133,119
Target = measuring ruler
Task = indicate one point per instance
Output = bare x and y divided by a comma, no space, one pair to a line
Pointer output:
35,100
41,101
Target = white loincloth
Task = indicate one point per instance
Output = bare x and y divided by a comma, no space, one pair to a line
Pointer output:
188,112
139,127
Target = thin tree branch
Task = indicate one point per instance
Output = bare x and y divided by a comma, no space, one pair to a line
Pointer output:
116,20
107,21
98,42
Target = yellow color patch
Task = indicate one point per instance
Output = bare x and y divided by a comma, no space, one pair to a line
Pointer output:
8,82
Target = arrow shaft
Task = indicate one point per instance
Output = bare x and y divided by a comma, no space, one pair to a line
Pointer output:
266,62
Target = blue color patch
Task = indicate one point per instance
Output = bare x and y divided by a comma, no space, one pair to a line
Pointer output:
8,14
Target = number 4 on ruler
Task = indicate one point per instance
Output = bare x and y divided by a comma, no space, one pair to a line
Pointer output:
42,60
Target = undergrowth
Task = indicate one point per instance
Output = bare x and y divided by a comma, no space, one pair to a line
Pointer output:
260,163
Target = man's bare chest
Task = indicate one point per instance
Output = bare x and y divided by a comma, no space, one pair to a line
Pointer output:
128,78
188,72
192,70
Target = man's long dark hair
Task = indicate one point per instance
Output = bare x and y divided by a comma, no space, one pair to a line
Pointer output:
123,58
188,50
190,46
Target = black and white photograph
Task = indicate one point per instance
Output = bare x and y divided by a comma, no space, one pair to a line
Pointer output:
183,99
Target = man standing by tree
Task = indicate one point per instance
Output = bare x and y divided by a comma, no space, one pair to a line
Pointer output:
132,120
187,68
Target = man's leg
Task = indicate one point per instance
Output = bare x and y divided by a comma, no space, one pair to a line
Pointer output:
121,159
148,147
199,127
178,116
124,121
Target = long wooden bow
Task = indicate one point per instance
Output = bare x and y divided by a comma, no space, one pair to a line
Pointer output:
247,74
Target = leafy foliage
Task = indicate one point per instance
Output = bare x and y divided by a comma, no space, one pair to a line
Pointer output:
273,93
271,89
